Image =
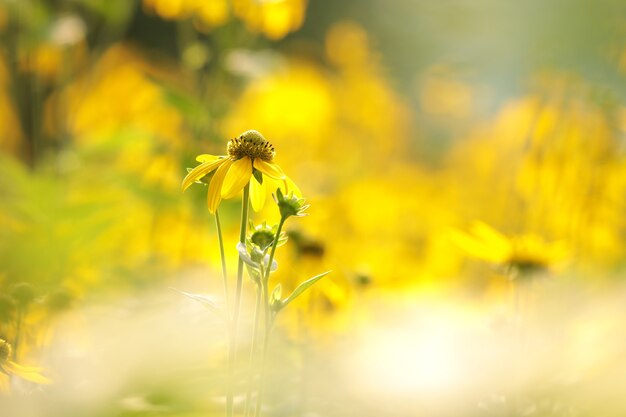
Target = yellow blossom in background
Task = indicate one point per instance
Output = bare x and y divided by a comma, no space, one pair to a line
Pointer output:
523,254
9,368
272,18
208,14
52,61
118,108
58,52
100,104
562,168
347,46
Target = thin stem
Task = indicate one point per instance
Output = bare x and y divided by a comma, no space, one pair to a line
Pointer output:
235,321
273,251
266,337
18,334
223,257
253,348
268,318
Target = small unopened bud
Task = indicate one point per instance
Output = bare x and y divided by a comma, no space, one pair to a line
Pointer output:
290,205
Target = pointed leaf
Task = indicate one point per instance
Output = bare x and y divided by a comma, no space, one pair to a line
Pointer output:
204,300
302,288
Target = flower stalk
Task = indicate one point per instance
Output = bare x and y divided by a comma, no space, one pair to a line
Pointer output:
237,306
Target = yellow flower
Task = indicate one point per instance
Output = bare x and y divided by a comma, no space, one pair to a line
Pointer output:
521,254
274,19
250,159
8,368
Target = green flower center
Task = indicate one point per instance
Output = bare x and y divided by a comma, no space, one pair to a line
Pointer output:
251,144
262,238
5,351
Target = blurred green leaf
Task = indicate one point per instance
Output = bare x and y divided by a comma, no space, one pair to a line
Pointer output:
205,301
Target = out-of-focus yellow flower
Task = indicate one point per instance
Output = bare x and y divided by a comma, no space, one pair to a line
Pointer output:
347,45
207,14
52,61
142,132
523,254
9,368
250,159
273,18
99,106
550,163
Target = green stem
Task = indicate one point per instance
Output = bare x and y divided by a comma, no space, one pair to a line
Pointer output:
18,334
253,348
268,321
223,257
266,337
273,251
235,321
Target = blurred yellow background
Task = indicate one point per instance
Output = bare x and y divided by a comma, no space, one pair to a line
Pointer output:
465,166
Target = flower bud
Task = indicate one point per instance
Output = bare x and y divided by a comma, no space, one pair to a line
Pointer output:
290,205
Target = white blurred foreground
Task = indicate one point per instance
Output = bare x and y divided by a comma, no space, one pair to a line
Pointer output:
561,354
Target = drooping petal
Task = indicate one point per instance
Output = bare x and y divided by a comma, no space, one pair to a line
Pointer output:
286,185
214,196
28,373
476,247
238,175
258,192
207,158
291,187
269,169
200,171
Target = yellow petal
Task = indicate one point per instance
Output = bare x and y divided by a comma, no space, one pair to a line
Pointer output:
207,158
291,187
238,175
475,247
490,235
258,193
269,169
286,185
214,195
200,171
26,372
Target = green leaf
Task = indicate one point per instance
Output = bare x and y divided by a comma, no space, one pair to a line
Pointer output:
302,288
204,300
